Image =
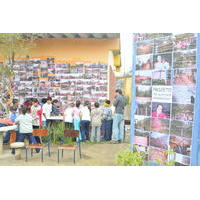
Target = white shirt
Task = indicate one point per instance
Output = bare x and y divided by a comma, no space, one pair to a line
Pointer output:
85,113
46,109
68,115
25,123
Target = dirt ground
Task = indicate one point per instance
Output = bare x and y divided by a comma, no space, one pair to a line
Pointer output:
93,154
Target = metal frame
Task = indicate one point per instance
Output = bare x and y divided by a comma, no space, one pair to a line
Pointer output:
195,152
195,157
133,106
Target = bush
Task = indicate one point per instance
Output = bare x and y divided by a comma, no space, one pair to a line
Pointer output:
128,158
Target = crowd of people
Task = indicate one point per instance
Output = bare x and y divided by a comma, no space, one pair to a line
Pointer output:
95,122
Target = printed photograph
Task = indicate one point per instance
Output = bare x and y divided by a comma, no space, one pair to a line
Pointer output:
157,155
159,140
145,47
185,77
143,77
184,42
185,160
160,125
181,128
162,61
183,94
180,145
143,108
161,110
185,59
142,122
163,45
161,77
183,112
149,36
144,62
143,93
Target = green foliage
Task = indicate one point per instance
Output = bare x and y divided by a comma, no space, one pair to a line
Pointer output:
6,74
57,129
128,158
127,100
15,44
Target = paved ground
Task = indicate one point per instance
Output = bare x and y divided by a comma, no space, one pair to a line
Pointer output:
102,154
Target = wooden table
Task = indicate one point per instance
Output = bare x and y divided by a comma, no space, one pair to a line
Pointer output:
2,131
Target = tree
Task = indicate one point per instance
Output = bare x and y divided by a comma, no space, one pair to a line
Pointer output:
15,45
12,46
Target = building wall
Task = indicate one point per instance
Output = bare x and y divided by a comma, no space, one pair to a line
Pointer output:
75,49
112,84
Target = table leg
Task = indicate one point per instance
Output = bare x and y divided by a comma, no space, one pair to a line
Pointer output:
1,143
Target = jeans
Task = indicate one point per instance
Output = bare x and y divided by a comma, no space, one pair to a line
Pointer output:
107,129
77,126
118,127
95,133
31,138
85,129
37,138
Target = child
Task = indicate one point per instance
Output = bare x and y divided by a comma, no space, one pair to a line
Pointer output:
13,116
76,116
55,111
25,126
46,111
96,116
85,121
107,120
68,119
36,113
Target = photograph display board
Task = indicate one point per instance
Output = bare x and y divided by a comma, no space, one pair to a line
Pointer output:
165,80
37,78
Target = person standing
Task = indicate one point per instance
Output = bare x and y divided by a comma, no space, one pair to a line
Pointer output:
96,116
68,119
107,121
77,117
55,108
36,112
85,121
118,118
46,111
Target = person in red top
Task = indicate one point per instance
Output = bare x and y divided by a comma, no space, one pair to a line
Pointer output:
159,112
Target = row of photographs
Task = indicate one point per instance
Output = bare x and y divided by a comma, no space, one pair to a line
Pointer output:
163,125
166,44
158,145
67,87
181,112
180,94
181,145
166,61
166,77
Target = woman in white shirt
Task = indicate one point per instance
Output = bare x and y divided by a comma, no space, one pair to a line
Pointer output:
85,121
68,118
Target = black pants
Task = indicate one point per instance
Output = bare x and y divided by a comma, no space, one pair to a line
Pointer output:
37,138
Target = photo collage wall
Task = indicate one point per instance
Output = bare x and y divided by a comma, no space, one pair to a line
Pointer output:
165,95
37,78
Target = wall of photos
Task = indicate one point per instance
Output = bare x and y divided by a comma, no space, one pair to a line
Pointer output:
165,79
37,78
